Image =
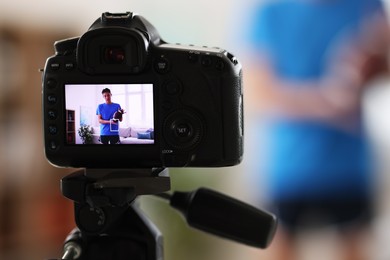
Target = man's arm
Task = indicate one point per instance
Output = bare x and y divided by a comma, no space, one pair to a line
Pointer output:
327,99
102,121
336,97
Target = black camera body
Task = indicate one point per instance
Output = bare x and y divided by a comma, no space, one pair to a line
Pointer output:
183,104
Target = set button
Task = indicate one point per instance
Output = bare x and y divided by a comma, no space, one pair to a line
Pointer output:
183,130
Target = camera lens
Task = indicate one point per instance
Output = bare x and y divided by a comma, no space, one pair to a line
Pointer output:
115,55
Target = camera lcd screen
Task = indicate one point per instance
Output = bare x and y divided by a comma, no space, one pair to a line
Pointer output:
104,114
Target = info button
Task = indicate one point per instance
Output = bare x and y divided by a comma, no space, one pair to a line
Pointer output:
69,65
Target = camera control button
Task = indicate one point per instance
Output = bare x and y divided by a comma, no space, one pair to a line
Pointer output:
53,145
52,114
53,129
52,99
51,83
55,66
69,65
183,130
220,65
161,65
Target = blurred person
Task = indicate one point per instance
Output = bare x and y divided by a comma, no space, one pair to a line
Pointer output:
313,60
109,128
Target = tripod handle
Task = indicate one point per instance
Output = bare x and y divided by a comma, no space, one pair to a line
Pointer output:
224,216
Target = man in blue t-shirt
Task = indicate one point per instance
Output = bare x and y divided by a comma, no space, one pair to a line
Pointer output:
109,127
309,75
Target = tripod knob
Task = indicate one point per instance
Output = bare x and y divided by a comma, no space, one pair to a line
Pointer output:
91,220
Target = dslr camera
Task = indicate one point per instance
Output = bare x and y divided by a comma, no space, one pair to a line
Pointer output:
181,105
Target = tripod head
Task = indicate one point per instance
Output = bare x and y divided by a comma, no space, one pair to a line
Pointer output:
111,226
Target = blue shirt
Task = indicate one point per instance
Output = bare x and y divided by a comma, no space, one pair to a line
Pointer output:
309,158
107,112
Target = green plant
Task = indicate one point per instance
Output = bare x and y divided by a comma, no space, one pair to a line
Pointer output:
85,132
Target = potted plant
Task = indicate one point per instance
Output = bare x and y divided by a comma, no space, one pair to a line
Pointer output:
85,132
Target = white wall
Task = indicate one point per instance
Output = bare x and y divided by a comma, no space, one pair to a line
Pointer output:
77,96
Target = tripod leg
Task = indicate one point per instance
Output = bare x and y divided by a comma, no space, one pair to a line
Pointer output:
72,245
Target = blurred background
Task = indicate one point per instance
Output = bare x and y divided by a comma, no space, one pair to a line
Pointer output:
35,218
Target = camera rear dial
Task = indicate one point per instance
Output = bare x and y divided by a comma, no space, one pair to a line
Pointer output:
183,130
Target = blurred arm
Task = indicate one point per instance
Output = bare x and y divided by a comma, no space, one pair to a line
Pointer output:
326,99
334,98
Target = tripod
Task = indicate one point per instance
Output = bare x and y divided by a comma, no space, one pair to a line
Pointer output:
110,224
